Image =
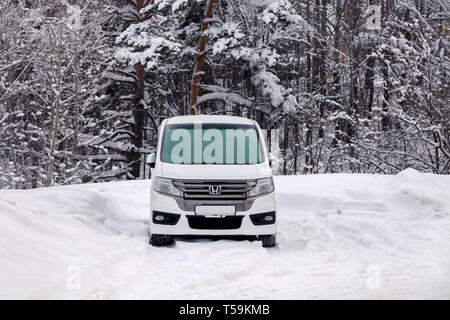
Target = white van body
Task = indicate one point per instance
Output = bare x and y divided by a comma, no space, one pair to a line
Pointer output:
211,199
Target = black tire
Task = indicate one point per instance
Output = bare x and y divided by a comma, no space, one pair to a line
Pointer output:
159,240
268,241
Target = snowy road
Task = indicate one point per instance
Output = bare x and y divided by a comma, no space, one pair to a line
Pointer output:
340,237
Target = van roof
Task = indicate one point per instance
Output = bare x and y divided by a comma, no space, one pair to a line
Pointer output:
209,119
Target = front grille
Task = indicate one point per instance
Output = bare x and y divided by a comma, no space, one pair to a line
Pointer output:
199,189
228,222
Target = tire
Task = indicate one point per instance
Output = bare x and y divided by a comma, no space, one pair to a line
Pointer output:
159,240
268,241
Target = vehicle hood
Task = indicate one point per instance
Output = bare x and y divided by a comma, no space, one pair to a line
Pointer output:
193,171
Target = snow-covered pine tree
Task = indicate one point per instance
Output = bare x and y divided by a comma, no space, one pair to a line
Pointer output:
347,97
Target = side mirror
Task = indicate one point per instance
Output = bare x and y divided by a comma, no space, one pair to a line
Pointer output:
272,160
151,159
273,163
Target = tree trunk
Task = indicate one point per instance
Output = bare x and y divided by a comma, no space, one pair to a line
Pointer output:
55,125
75,120
369,78
138,112
385,121
369,85
322,67
137,127
308,55
201,57
309,155
337,77
285,145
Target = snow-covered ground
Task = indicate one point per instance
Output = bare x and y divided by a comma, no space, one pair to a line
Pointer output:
340,237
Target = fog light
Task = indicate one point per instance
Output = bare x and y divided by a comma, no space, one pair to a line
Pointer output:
263,218
160,217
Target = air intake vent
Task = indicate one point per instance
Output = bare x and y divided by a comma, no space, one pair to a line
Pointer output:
228,222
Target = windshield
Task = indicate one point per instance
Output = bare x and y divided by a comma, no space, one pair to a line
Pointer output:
203,143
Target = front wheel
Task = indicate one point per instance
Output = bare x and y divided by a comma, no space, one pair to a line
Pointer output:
159,240
268,241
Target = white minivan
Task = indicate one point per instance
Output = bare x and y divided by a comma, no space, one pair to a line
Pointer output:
211,176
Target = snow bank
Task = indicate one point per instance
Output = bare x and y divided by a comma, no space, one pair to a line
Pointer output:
340,236
45,232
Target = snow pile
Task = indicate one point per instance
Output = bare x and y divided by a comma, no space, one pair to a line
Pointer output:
45,232
340,236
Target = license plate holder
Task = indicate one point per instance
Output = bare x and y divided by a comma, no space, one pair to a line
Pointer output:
215,210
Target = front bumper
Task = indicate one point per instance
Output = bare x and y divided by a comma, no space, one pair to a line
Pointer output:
185,225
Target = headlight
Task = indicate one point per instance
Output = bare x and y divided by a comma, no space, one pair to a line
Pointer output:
166,186
262,186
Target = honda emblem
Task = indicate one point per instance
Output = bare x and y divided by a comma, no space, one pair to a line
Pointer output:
215,190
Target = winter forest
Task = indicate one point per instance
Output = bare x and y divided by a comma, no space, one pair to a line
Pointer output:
352,86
